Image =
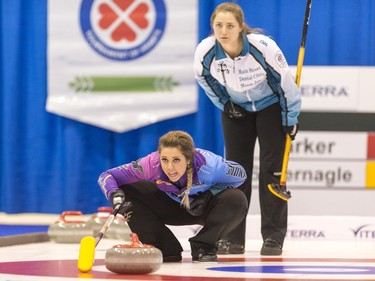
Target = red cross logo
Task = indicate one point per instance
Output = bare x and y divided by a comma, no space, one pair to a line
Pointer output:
124,17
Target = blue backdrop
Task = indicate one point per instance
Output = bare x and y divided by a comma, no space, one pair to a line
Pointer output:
50,164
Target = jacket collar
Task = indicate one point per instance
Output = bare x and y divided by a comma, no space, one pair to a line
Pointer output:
220,53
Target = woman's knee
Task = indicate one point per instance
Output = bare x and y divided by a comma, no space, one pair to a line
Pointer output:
234,199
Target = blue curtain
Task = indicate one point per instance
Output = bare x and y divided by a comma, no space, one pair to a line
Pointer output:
50,164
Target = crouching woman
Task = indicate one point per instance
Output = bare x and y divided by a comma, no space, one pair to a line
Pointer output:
179,185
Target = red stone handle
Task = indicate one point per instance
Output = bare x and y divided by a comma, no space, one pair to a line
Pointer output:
134,244
63,217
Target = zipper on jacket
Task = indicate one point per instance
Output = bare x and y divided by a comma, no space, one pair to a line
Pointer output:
223,68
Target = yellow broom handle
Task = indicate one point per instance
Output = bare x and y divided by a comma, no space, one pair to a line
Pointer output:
288,144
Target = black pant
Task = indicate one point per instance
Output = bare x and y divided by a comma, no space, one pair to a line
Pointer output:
152,210
240,136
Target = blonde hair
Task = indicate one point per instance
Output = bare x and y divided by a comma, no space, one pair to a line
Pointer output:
237,11
183,142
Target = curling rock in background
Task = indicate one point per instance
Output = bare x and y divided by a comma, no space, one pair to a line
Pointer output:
133,258
119,228
70,227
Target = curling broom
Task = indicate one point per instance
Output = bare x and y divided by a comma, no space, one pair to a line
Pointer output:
88,243
280,190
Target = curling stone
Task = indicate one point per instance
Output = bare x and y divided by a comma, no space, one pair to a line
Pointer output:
97,220
119,228
134,258
69,228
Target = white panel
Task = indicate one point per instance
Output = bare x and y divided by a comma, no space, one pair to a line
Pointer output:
330,174
323,174
333,88
329,145
325,160
367,89
329,88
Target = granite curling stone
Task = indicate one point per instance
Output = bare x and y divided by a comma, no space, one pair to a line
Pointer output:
119,228
133,258
69,228
97,220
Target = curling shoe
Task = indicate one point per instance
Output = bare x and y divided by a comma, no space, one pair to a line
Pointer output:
176,258
204,255
271,248
224,247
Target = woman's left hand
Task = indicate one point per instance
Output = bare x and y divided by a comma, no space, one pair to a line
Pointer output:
199,204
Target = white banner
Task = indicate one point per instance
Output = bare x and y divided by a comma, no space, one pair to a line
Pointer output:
330,146
121,65
325,160
351,228
337,88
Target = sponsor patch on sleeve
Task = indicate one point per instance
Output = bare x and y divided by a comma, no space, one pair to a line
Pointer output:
280,59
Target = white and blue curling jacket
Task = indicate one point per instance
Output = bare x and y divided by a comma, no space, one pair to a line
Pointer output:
257,78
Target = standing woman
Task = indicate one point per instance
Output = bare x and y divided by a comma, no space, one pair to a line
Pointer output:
245,74
179,185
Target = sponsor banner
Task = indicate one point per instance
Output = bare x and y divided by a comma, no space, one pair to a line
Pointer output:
331,227
304,228
332,146
327,160
323,174
331,88
121,65
328,174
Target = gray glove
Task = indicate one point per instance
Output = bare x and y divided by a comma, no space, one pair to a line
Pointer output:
291,130
234,110
118,197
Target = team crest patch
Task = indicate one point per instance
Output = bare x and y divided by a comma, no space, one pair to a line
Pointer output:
280,59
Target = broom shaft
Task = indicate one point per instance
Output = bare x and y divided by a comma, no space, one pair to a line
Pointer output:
301,56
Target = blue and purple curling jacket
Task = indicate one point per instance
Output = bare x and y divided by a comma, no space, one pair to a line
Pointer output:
211,171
